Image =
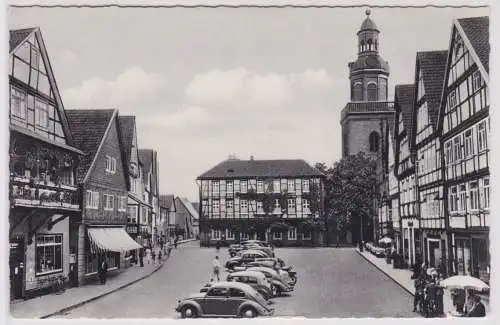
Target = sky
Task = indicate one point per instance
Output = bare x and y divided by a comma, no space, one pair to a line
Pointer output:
206,83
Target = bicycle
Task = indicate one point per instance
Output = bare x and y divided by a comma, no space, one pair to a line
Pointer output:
59,286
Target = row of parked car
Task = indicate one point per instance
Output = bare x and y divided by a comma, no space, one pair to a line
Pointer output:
255,276
375,249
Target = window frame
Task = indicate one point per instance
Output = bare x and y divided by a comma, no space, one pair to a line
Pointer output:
51,244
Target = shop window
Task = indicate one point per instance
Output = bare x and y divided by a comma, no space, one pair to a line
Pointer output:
292,233
49,250
277,235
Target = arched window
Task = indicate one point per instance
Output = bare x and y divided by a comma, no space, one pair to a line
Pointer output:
376,45
374,141
371,90
358,91
362,47
369,45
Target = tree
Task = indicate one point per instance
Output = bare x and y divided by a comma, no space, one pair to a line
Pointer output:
350,188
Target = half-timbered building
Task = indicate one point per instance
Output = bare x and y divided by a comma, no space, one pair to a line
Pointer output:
43,192
100,233
272,200
405,173
429,77
464,118
149,159
138,208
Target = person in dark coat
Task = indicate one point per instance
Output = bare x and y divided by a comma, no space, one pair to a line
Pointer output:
418,298
141,257
176,240
478,309
217,246
103,271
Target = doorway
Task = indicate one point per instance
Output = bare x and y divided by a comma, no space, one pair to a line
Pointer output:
16,265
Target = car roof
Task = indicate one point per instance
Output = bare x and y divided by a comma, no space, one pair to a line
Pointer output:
248,273
230,284
254,251
263,268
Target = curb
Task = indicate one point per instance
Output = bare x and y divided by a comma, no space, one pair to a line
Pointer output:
84,302
81,303
385,273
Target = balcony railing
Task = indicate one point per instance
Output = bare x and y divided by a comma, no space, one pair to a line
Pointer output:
31,193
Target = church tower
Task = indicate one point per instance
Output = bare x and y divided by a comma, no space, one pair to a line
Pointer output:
365,118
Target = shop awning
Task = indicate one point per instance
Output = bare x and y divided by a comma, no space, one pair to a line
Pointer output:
111,240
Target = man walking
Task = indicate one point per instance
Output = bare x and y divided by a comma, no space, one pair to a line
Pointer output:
216,268
103,271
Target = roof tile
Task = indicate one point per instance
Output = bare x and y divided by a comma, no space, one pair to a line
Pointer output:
477,30
233,168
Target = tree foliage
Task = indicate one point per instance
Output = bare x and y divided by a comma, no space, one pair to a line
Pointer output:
350,187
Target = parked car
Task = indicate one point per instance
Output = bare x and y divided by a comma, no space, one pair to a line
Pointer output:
245,257
279,282
256,280
234,299
267,250
258,242
271,263
234,249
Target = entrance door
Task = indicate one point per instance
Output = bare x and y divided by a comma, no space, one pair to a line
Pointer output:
16,264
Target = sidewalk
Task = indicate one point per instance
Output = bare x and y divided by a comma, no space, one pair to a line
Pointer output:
48,305
403,278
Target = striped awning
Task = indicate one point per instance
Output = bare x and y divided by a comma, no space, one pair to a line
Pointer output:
111,240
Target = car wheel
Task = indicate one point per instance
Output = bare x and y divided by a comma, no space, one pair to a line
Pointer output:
248,312
274,290
189,312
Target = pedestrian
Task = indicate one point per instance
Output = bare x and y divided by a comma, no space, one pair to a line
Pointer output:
459,300
103,271
161,244
477,308
169,249
176,241
418,299
153,256
217,246
216,268
148,255
159,256
141,257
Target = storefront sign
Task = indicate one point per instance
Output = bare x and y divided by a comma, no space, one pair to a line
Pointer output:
132,229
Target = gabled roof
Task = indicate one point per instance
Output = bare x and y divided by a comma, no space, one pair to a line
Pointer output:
146,158
432,64
127,127
234,168
196,206
403,99
166,201
17,36
80,122
189,207
477,30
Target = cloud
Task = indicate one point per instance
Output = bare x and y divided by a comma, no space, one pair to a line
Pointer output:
132,89
180,120
241,88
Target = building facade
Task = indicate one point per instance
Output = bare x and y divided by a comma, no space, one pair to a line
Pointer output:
168,213
272,200
429,78
465,144
138,208
43,193
149,160
186,218
409,241
102,178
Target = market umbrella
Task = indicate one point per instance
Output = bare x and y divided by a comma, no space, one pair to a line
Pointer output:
385,240
464,282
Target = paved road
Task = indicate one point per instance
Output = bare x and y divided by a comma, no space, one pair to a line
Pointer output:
332,283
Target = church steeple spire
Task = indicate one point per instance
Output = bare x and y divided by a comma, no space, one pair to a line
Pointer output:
368,36
369,72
